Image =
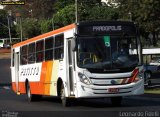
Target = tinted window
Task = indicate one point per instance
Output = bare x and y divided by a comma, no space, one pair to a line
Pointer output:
24,58
40,51
49,48
59,46
31,53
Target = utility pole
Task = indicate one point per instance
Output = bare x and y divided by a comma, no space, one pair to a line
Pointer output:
19,19
9,29
21,28
76,11
9,25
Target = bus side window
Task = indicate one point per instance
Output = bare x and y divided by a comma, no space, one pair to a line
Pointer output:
31,53
24,54
59,46
40,51
49,48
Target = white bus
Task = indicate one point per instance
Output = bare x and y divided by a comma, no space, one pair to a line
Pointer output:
83,60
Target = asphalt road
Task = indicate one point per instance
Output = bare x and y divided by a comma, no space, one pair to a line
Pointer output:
5,74
12,105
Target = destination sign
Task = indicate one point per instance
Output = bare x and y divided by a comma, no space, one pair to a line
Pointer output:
106,28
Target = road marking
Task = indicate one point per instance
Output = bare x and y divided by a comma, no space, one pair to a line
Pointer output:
6,87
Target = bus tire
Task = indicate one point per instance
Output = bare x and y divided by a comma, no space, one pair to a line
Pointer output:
64,99
31,97
116,101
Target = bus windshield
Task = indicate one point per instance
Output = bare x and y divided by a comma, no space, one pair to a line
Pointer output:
107,52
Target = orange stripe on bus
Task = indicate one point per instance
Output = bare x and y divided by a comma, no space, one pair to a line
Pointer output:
14,86
21,87
135,72
48,78
45,35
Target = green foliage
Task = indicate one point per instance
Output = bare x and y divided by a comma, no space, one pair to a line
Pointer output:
87,11
3,24
30,28
46,26
145,13
64,16
3,16
23,10
60,4
42,9
102,13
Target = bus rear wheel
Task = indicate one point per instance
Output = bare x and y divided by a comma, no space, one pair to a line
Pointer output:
64,99
31,97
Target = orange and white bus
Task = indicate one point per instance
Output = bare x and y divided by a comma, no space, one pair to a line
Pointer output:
84,60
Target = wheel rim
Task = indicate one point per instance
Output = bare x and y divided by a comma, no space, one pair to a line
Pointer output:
63,97
62,94
148,75
28,93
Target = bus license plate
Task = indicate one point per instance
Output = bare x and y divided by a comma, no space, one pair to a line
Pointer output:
113,90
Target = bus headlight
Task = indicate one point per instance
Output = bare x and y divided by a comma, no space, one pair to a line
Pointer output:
84,79
139,75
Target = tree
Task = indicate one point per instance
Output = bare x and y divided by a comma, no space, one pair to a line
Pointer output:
87,10
30,28
60,4
64,16
3,24
46,25
143,12
4,27
102,13
42,9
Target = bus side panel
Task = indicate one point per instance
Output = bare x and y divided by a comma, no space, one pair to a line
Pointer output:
22,88
14,86
13,79
38,86
54,78
47,85
48,82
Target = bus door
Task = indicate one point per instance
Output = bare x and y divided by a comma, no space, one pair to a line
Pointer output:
16,61
70,67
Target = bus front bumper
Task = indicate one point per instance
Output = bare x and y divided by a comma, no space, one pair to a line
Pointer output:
92,91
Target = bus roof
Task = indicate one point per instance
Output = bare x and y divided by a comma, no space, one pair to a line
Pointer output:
39,37
81,30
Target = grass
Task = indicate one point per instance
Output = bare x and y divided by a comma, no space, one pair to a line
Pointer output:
152,91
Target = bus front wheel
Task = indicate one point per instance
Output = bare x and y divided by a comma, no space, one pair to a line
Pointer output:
64,99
